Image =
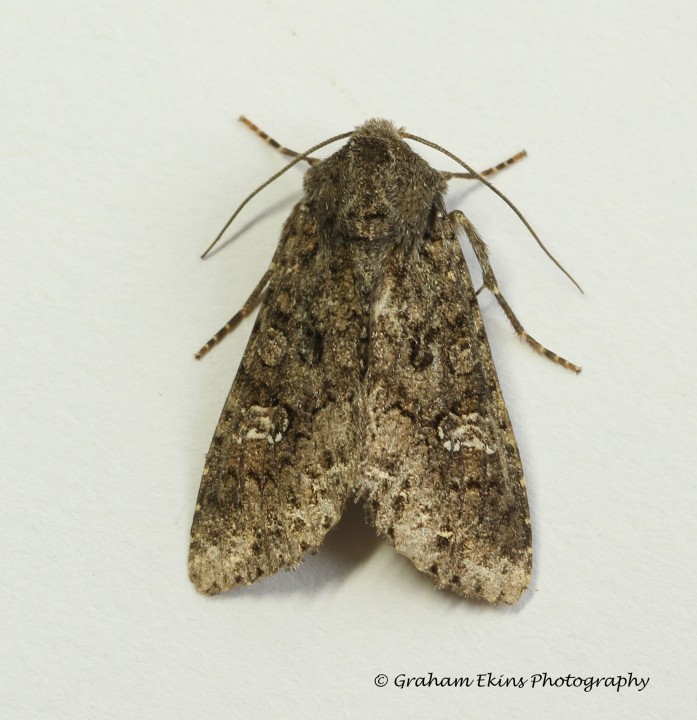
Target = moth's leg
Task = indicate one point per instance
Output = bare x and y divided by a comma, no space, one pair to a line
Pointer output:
274,143
460,220
486,173
252,302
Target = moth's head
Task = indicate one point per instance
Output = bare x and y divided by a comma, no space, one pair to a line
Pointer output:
375,188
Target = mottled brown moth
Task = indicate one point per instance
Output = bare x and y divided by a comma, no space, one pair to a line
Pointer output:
368,375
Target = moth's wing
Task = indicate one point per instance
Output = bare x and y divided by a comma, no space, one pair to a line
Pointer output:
283,456
443,478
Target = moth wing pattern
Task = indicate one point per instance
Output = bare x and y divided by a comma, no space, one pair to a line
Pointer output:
282,459
443,478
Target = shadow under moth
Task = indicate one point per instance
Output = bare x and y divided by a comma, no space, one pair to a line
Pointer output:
368,376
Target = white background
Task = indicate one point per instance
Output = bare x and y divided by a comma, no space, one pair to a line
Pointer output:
121,159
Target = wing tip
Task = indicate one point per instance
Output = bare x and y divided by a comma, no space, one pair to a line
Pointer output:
498,588
212,570
498,580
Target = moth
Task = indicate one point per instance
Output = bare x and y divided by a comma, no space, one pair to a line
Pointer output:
368,376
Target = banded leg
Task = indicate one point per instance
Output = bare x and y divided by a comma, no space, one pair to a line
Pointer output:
460,220
246,309
488,172
275,144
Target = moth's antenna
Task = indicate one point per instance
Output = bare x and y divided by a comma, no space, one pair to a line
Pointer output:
294,161
494,189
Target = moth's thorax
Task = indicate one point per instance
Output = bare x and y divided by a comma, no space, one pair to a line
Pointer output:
375,189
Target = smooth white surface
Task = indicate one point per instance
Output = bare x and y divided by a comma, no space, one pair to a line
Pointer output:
121,159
